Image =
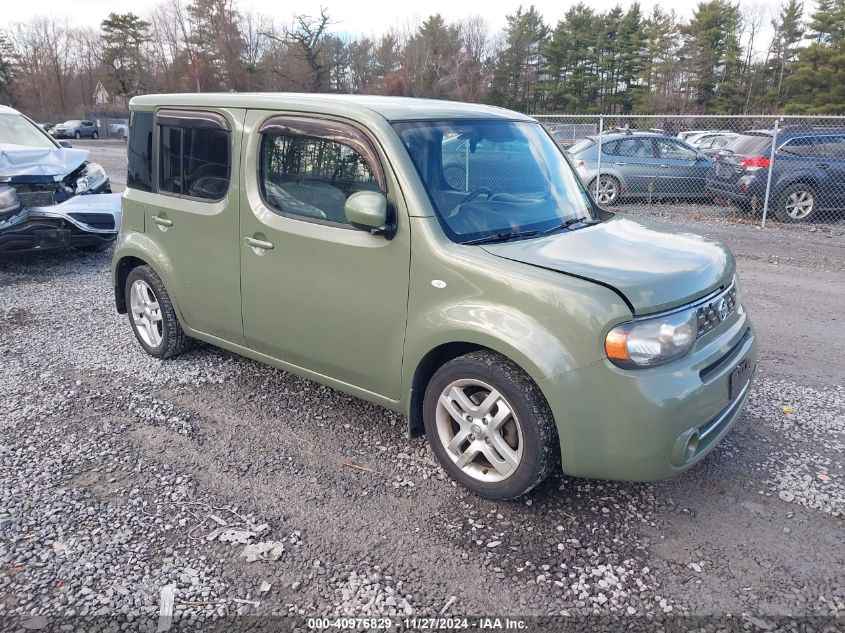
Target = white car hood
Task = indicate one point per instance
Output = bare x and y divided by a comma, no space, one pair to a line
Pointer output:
22,160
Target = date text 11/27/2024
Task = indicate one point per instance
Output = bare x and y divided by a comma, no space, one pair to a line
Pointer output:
419,623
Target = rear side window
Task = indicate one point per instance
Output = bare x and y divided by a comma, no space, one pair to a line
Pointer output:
140,150
634,148
194,161
831,146
800,147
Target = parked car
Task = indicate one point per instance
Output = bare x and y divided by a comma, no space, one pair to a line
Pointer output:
118,128
808,177
567,134
45,189
75,129
640,165
47,126
516,323
711,144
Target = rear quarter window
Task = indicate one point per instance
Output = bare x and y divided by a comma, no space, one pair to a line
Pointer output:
140,151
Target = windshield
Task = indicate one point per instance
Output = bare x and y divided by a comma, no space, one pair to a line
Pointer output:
18,130
489,177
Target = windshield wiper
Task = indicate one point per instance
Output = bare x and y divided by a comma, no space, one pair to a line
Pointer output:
501,237
570,223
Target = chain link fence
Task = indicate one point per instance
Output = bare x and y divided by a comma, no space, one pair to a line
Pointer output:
756,169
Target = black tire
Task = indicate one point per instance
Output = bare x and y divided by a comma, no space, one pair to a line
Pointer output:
77,135
786,212
174,341
95,135
95,248
540,447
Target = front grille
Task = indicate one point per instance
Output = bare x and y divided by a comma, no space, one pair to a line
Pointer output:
716,310
38,194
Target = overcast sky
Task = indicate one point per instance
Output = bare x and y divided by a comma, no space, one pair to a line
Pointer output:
355,18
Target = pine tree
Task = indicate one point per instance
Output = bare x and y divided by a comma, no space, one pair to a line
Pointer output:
817,83
519,65
123,36
713,55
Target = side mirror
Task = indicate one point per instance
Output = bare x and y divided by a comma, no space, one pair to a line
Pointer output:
65,144
368,210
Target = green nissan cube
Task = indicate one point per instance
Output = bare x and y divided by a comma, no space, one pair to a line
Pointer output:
442,260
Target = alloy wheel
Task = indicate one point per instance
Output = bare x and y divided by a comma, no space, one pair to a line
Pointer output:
479,430
146,313
799,204
608,190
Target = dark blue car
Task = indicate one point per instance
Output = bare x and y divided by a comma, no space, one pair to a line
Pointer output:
808,176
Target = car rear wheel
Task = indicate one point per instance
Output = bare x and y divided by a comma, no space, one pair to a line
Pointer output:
608,190
152,316
95,135
798,203
489,426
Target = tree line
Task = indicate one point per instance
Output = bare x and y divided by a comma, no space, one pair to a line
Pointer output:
616,61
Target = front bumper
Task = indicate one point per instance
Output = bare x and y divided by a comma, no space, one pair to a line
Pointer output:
651,424
85,220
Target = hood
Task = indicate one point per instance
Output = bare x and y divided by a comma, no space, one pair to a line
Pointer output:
22,160
654,267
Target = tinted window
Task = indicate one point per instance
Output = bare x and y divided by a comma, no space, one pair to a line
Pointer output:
751,145
140,151
194,162
831,146
674,150
312,177
803,146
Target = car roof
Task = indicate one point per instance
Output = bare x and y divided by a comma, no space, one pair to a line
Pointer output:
7,110
353,106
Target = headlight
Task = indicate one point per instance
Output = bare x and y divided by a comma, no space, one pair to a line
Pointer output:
651,342
92,177
10,203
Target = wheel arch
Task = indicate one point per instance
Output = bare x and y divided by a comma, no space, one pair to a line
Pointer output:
131,256
438,356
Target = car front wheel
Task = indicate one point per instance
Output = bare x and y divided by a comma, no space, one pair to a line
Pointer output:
95,135
489,426
77,135
152,315
608,190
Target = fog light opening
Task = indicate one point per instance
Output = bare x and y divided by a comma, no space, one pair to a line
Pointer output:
692,446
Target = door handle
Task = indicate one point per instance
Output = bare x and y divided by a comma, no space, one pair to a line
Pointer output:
620,164
162,221
260,244
665,166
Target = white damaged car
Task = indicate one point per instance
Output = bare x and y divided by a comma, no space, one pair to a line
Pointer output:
47,192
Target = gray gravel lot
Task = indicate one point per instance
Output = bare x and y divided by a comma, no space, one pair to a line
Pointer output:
123,478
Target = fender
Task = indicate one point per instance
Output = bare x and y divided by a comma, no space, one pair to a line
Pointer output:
137,245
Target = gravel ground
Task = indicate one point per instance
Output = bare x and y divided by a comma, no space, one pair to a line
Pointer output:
126,482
